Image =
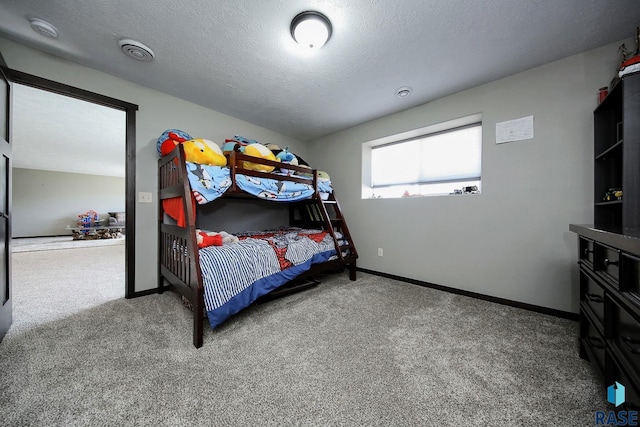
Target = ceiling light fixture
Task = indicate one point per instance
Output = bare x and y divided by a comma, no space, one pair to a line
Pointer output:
43,28
404,91
136,50
311,30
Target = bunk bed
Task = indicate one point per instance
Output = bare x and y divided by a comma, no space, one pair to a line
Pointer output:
218,280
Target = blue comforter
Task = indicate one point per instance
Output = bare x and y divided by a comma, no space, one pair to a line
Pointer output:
210,182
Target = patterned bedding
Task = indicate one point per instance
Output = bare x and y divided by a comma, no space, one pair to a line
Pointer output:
235,275
210,182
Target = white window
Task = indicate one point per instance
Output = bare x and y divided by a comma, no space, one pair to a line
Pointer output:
437,160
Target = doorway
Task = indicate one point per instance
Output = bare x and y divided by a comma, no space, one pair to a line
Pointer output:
68,159
129,153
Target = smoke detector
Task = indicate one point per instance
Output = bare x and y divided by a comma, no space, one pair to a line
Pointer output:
136,50
43,28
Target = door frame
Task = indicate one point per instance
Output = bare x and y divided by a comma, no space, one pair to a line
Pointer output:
6,304
25,79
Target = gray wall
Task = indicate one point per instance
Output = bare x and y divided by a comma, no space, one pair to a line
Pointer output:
235,215
45,202
513,240
156,113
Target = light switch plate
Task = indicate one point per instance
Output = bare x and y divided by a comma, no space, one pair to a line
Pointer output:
144,197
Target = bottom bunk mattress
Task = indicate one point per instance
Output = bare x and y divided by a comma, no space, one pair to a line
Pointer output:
235,275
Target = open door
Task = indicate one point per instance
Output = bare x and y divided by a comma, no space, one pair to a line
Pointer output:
5,202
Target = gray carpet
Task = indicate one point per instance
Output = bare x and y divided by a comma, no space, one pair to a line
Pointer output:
374,352
57,284
30,244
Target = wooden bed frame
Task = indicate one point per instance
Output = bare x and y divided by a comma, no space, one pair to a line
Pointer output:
178,256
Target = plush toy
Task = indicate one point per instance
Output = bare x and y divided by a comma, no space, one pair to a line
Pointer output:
323,176
308,171
287,157
260,151
169,139
233,145
206,239
245,141
238,143
211,238
274,148
204,152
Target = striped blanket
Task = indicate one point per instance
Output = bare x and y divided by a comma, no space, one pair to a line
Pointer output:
235,275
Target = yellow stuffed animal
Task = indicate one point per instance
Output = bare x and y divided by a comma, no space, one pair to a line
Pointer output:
204,152
259,150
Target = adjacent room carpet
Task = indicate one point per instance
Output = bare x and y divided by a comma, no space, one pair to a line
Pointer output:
374,352
56,284
30,244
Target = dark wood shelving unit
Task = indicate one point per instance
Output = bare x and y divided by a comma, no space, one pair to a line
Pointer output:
617,156
609,250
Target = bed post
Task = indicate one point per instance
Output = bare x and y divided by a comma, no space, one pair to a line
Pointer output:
161,184
232,163
198,310
195,275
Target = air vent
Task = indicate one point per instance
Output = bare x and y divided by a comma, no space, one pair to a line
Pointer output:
403,92
43,28
136,50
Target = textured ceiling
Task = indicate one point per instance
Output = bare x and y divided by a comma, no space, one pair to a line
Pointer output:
237,57
63,134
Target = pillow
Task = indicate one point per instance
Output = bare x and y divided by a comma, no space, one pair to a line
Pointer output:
117,218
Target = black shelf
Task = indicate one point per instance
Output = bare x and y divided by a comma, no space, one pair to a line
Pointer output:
609,203
617,118
609,150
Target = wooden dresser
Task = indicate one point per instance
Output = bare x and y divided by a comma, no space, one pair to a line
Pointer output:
609,265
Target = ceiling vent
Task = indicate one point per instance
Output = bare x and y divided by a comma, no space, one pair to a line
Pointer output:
136,50
43,28
404,91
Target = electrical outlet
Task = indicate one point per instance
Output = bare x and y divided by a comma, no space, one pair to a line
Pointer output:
380,253
144,197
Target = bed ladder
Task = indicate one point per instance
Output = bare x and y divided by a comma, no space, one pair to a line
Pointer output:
328,215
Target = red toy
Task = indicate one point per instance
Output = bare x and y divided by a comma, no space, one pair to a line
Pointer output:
209,239
169,139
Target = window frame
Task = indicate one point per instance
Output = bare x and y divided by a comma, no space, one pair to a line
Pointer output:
368,189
